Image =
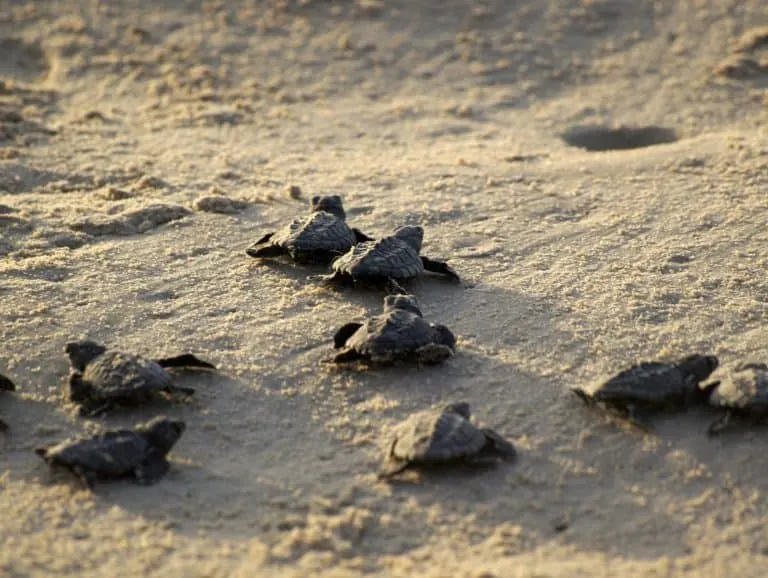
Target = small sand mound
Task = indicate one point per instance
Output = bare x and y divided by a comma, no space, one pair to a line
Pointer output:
219,204
132,223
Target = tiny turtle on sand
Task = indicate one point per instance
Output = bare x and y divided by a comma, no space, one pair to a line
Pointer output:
318,237
102,378
654,385
742,393
441,436
386,261
139,452
399,333
5,385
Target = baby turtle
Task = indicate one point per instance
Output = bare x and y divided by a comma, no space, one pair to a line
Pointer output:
654,385
318,237
138,452
440,436
5,385
743,393
399,333
386,261
101,378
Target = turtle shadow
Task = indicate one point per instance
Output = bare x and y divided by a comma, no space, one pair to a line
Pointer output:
233,472
572,477
450,473
673,468
306,274
283,265
733,457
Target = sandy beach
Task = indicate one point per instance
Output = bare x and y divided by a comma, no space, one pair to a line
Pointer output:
145,145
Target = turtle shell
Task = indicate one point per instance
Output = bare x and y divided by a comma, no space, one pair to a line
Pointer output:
387,257
116,374
649,381
139,451
393,334
744,389
313,234
657,383
435,436
110,454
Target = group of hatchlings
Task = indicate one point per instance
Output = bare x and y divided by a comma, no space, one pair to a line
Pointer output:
102,379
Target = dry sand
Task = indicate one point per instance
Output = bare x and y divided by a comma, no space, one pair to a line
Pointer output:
145,145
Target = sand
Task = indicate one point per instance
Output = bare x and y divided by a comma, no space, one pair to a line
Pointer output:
145,145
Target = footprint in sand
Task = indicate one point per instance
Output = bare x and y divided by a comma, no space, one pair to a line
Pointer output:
603,138
22,60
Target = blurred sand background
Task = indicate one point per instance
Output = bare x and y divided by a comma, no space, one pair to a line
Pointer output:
144,145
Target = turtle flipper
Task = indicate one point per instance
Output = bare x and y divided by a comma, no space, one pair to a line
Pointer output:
95,409
500,446
152,469
583,396
79,390
392,465
87,477
6,384
348,356
721,423
262,251
181,390
433,353
184,360
80,393
336,280
343,334
440,267
391,468
638,418
392,287
361,237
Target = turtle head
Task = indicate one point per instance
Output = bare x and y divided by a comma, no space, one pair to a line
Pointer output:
163,432
460,408
330,204
411,234
404,302
445,337
700,366
81,353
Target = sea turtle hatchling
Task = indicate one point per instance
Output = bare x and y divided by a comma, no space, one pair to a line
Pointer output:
5,385
655,385
318,237
399,333
443,435
741,393
386,261
101,378
139,452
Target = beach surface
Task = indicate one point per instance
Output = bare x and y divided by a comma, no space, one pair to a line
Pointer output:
145,145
